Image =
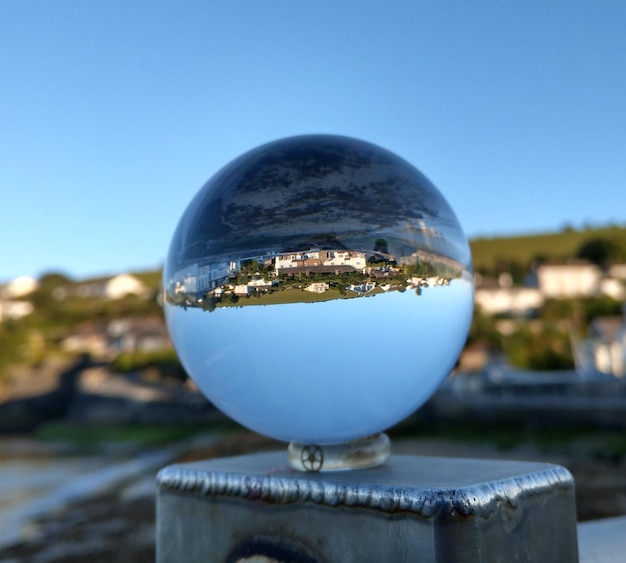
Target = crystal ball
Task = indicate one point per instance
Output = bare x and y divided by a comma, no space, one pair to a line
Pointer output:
318,289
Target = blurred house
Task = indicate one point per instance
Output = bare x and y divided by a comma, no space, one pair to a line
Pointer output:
617,271
148,334
603,352
19,287
113,288
106,340
517,301
89,338
474,357
579,278
562,280
14,309
11,306
613,288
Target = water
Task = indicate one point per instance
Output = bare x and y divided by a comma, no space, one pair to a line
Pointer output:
37,478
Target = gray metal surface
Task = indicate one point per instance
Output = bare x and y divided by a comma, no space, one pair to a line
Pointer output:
410,509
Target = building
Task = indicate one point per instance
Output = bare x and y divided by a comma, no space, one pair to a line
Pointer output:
362,288
20,286
603,352
115,287
197,279
123,285
576,278
317,287
146,334
88,337
15,309
323,261
617,270
518,301
104,340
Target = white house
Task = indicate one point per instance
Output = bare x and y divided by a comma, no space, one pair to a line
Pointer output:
115,287
196,278
344,258
604,349
317,287
261,284
571,279
617,271
123,285
320,258
363,288
242,289
516,300
20,286
613,288
15,309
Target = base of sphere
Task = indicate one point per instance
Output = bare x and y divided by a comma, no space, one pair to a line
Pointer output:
357,454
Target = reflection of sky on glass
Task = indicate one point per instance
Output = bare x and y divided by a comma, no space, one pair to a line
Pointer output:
325,372
306,190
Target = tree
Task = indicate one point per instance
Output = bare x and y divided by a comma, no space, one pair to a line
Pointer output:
599,251
53,280
381,246
548,349
483,329
48,283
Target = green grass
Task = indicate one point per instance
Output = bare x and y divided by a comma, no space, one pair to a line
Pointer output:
487,252
151,278
165,362
91,436
522,249
594,442
598,442
290,296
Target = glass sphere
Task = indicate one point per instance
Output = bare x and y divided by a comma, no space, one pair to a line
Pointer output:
318,289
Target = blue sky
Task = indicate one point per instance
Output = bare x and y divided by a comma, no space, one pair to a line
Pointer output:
114,113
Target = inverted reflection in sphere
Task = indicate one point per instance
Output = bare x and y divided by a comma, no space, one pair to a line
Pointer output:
318,289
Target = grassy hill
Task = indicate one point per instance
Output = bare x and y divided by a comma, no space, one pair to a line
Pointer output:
498,253
493,254
501,253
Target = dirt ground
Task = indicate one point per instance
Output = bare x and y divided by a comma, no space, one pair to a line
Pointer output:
120,526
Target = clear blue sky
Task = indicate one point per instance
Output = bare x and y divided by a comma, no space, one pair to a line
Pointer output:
113,113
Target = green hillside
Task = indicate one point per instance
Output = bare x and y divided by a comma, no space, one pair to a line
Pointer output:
496,254
491,255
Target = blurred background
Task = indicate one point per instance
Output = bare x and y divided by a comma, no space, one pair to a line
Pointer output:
114,115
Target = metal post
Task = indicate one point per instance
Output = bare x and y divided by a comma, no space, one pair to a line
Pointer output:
412,508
